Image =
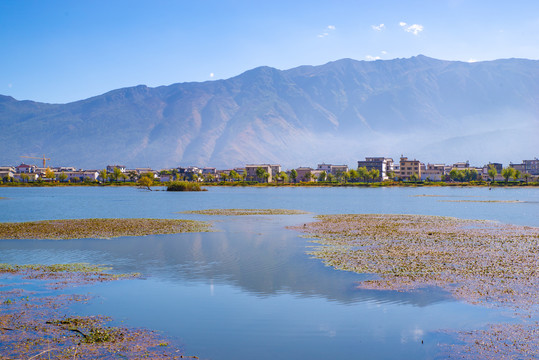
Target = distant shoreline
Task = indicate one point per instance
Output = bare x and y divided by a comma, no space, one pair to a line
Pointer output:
299,184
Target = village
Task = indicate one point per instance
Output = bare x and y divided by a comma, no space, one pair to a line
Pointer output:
372,169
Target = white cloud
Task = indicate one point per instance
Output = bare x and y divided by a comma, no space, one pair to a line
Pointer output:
378,27
384,52
324,34
212,75
372,58
472,60
414,28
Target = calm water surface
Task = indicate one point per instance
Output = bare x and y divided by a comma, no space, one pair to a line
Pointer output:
249,291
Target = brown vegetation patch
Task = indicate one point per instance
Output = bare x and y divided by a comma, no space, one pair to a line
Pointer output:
478,261
97,228
481,262
238,212
37,327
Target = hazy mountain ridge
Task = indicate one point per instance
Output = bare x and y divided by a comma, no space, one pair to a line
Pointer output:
338,112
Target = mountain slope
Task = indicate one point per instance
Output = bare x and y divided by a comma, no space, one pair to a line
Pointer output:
338,112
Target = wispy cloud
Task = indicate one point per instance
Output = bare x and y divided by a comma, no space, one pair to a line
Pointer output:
378,27
212,75
414,28
326,33
472,60
372,58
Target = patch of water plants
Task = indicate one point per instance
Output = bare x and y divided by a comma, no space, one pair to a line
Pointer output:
35,327
241,212
98,228
481,262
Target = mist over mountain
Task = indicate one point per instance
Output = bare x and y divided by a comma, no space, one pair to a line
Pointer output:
340,112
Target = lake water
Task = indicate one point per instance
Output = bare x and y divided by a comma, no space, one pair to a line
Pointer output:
249,291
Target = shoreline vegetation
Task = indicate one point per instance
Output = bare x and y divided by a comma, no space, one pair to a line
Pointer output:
194,185
480,262
98,228
245,212
33,325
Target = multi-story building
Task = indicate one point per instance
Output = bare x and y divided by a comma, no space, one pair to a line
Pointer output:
382,164
331,169
461,165
26,169
433,172
305,174
110,168
531,166
409,167
275,170
251,174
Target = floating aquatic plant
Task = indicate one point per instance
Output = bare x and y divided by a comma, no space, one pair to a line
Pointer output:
97,228
237,212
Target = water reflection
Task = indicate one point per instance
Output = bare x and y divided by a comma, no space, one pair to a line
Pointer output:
256,254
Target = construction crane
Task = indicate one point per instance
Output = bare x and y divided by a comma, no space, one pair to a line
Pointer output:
43,158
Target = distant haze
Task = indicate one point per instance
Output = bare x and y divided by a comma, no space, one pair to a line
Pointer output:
340,112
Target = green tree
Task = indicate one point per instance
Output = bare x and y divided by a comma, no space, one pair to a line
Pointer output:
307,176
25,177
414,177
293,175
454,174
62,177
516,174
526,177
330,177
282,176
116,174
374,174
133,176
474,175
391,175
49,174
363,173
353,175
224,176
322,176
261,173
234,175
492,172
507,173
145,182
104,175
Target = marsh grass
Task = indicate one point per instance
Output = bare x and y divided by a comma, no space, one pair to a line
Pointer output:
97,228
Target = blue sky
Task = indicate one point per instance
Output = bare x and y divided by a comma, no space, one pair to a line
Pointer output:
61,51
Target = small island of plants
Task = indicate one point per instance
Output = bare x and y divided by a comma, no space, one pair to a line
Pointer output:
184,186
97,228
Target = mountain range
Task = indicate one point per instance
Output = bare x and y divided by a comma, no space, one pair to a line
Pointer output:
339,112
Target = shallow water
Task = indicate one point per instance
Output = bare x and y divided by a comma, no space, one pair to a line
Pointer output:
249,290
